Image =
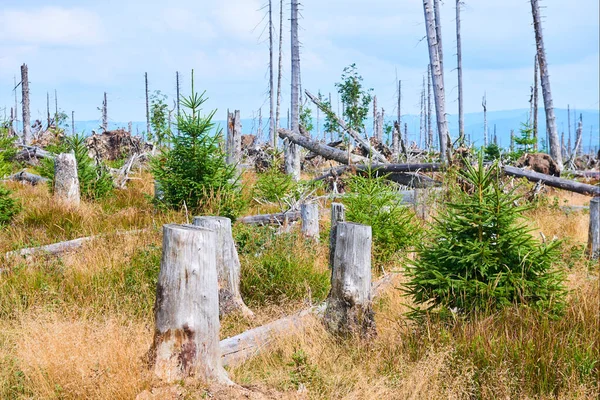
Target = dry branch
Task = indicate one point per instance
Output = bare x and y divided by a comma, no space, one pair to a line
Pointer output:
553,181
25,176
271,219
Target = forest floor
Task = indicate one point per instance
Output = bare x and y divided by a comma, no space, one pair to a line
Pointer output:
79,325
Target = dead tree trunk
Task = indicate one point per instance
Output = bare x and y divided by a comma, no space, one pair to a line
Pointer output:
554,144
429,113
292,152
147,106
228,266
177,102
234,137
485,127
375,118
512,140
593,248
579,137
66,181
329,153
105,114
48,121
349,311
25,100
278,111
461,116
338,214
73,122
186,336
395,144
536,91
309,213
272,133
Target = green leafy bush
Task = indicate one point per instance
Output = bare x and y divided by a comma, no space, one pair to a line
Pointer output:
277,268
9,207
194,168
7,151
95,181
480,256
373,200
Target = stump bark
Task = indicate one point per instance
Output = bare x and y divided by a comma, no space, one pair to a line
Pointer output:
349,309
228,266
594,230
66,181
338,214
309,213
186,337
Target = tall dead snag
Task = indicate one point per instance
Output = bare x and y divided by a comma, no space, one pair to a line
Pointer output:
349,310
272,133
536,91
234,137
292,152
593,248
228,266
177,87
73,123
428,114
485,127
66,180
461,115
186,311
280,67
147,105
309,213
375,118
579,137
437,75
395,135
569,127
554,144
338,214
48,121
105,114
25,100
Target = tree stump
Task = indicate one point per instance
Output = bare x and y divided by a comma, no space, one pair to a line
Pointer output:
349,310
228,266
338,214
186,337
66,181
594,230
309,213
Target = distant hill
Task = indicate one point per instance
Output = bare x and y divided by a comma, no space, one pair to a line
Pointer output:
504,121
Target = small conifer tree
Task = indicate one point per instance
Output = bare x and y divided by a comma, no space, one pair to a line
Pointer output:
480,256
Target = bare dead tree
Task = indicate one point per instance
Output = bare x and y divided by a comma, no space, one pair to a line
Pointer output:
292,152
536,91
278,111
428,114
438,34
569,126
579,137
375,119
272,135
422,117
395,144
546,91
105,114
461,116
48,110
147,105
177,101
25,100
485,128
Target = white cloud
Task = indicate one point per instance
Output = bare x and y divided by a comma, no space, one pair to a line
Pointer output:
240,18
51,26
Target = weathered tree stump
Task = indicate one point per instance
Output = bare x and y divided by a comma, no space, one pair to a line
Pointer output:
349,310
186,337
66,181
309,213
228,266
594,231
338,214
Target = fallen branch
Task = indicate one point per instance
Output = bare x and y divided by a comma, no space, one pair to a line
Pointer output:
239,348
24,176
271,219
330,153
553,181
362,142
30,152
385,168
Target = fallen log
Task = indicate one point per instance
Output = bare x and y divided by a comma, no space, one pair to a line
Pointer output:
385,168
30,152
271,219
24,176
586,174
362,142
60,247
330,153
239,348
553,181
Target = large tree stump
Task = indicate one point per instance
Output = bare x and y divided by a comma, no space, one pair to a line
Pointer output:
594,231
309,213
338,214
66,181
349,311
186,337
228,266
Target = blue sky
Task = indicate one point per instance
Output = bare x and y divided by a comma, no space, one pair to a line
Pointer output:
83,48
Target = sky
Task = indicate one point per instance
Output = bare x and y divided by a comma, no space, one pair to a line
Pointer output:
82,48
